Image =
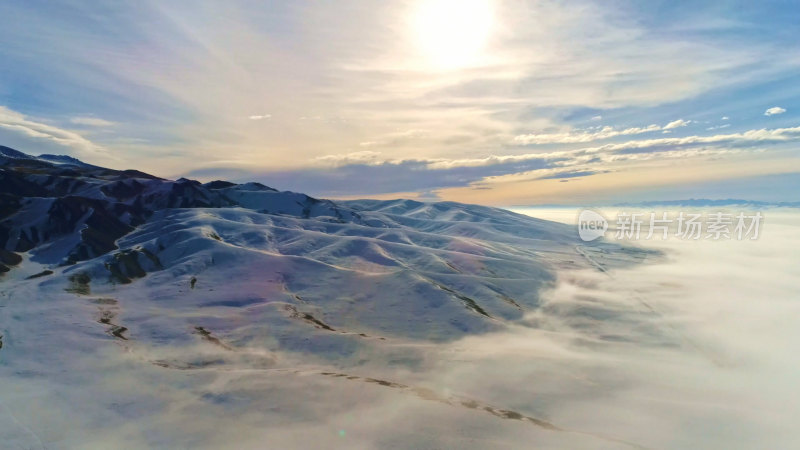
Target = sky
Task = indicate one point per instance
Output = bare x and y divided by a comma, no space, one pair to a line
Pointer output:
498,102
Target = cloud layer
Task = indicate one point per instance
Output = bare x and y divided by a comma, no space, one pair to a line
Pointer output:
353,174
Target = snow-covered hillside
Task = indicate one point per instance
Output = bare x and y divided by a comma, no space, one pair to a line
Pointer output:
106,267
449,268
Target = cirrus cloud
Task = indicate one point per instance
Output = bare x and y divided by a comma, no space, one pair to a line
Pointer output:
91,121
593,134
37,130
677,124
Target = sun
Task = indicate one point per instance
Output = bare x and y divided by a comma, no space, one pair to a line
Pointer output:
452,34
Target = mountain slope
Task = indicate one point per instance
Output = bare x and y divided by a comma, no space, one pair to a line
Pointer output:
431,271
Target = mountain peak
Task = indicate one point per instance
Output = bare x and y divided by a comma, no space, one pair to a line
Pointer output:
9,152
59,160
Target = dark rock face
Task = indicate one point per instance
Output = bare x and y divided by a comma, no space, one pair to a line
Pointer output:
123,189
53,196
15,184
130,264
219,184
7,259
48,198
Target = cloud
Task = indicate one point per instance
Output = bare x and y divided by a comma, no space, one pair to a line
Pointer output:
696,316
395,138
362,157
775,110
35,130
91,121
260,117
365,173
725,118
581,136
369,172
563,174
676,124
587,135
761,135
359,173
734,139
596,118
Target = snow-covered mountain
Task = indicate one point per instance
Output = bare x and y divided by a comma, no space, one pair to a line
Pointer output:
421,270
189,276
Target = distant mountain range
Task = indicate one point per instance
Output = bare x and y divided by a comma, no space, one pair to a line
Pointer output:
704,202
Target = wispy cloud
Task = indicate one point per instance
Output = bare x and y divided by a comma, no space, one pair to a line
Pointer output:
677,124
580,136
91,121
37,130
260,116
362,157
395,138
589,135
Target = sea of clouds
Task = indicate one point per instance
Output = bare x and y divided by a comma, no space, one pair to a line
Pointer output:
695,349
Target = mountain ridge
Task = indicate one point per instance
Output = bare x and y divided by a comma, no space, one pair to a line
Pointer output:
372,265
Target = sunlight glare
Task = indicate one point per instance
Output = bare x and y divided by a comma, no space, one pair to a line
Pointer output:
452,33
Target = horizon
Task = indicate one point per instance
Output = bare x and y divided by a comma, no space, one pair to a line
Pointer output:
666,202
